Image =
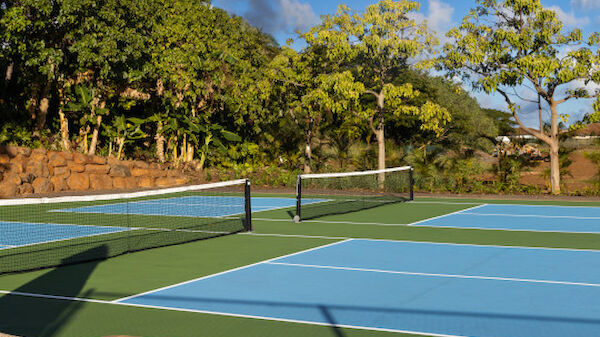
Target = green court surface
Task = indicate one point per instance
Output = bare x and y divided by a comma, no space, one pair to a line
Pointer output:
75,300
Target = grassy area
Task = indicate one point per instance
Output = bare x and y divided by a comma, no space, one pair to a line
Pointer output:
275,235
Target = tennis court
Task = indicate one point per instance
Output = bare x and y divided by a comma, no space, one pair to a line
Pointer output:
442,289
191,206
17,234
428,267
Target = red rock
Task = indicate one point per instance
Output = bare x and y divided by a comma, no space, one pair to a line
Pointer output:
37,168
4,158
38,151
59,171
11,151
97,160
125,182
40,157
80,158
141,172
15,167
25,151
166,182
173,173
59,183
120,171
100,182
75,167
42,185
141,164
55,159
181,181
79,182
27,177
26,189
146,182
67,155
13,179
7,189
97,169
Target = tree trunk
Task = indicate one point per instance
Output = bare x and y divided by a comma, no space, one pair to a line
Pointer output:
554,147
160,142
94,142
308,152
40,118
9,72
554,169
64,124
380,135
381,152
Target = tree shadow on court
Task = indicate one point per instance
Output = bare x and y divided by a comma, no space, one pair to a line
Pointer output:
30,316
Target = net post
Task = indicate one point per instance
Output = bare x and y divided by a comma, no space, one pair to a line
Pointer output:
297,217
412,183
248,223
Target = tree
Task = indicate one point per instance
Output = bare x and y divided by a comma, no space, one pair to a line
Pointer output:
309,94
375,45
506,45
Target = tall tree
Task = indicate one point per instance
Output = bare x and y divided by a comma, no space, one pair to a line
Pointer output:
309,93
504,45
375,45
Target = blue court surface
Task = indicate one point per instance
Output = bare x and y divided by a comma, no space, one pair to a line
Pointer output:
417,287
15,234
521,217
192,206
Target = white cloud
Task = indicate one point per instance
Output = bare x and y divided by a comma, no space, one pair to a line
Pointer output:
440,15
297,15
585,4
569,19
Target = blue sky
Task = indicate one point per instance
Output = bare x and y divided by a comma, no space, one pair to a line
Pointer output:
282,18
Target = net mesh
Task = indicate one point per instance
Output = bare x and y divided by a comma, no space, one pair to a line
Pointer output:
339,193
46,232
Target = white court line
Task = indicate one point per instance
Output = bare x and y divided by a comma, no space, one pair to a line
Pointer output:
445,202
225,272
445,215
267,318
535,216
459,276
424,242
332,222
507,229
498,204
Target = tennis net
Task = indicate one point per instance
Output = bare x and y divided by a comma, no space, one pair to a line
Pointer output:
46,232
324,194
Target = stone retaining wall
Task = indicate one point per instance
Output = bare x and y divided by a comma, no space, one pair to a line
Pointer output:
24,171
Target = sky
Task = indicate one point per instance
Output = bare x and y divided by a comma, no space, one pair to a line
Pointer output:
282,18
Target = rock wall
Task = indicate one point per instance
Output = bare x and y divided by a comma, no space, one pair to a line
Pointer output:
24,171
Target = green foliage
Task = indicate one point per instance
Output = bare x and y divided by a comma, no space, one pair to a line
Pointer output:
14,133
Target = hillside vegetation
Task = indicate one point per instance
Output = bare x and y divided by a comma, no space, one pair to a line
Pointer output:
186,83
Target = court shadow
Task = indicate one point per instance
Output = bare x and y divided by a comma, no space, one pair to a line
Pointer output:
30,316
337,332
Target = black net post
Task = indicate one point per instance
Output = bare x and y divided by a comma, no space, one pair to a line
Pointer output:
411,181
248,206
298,198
